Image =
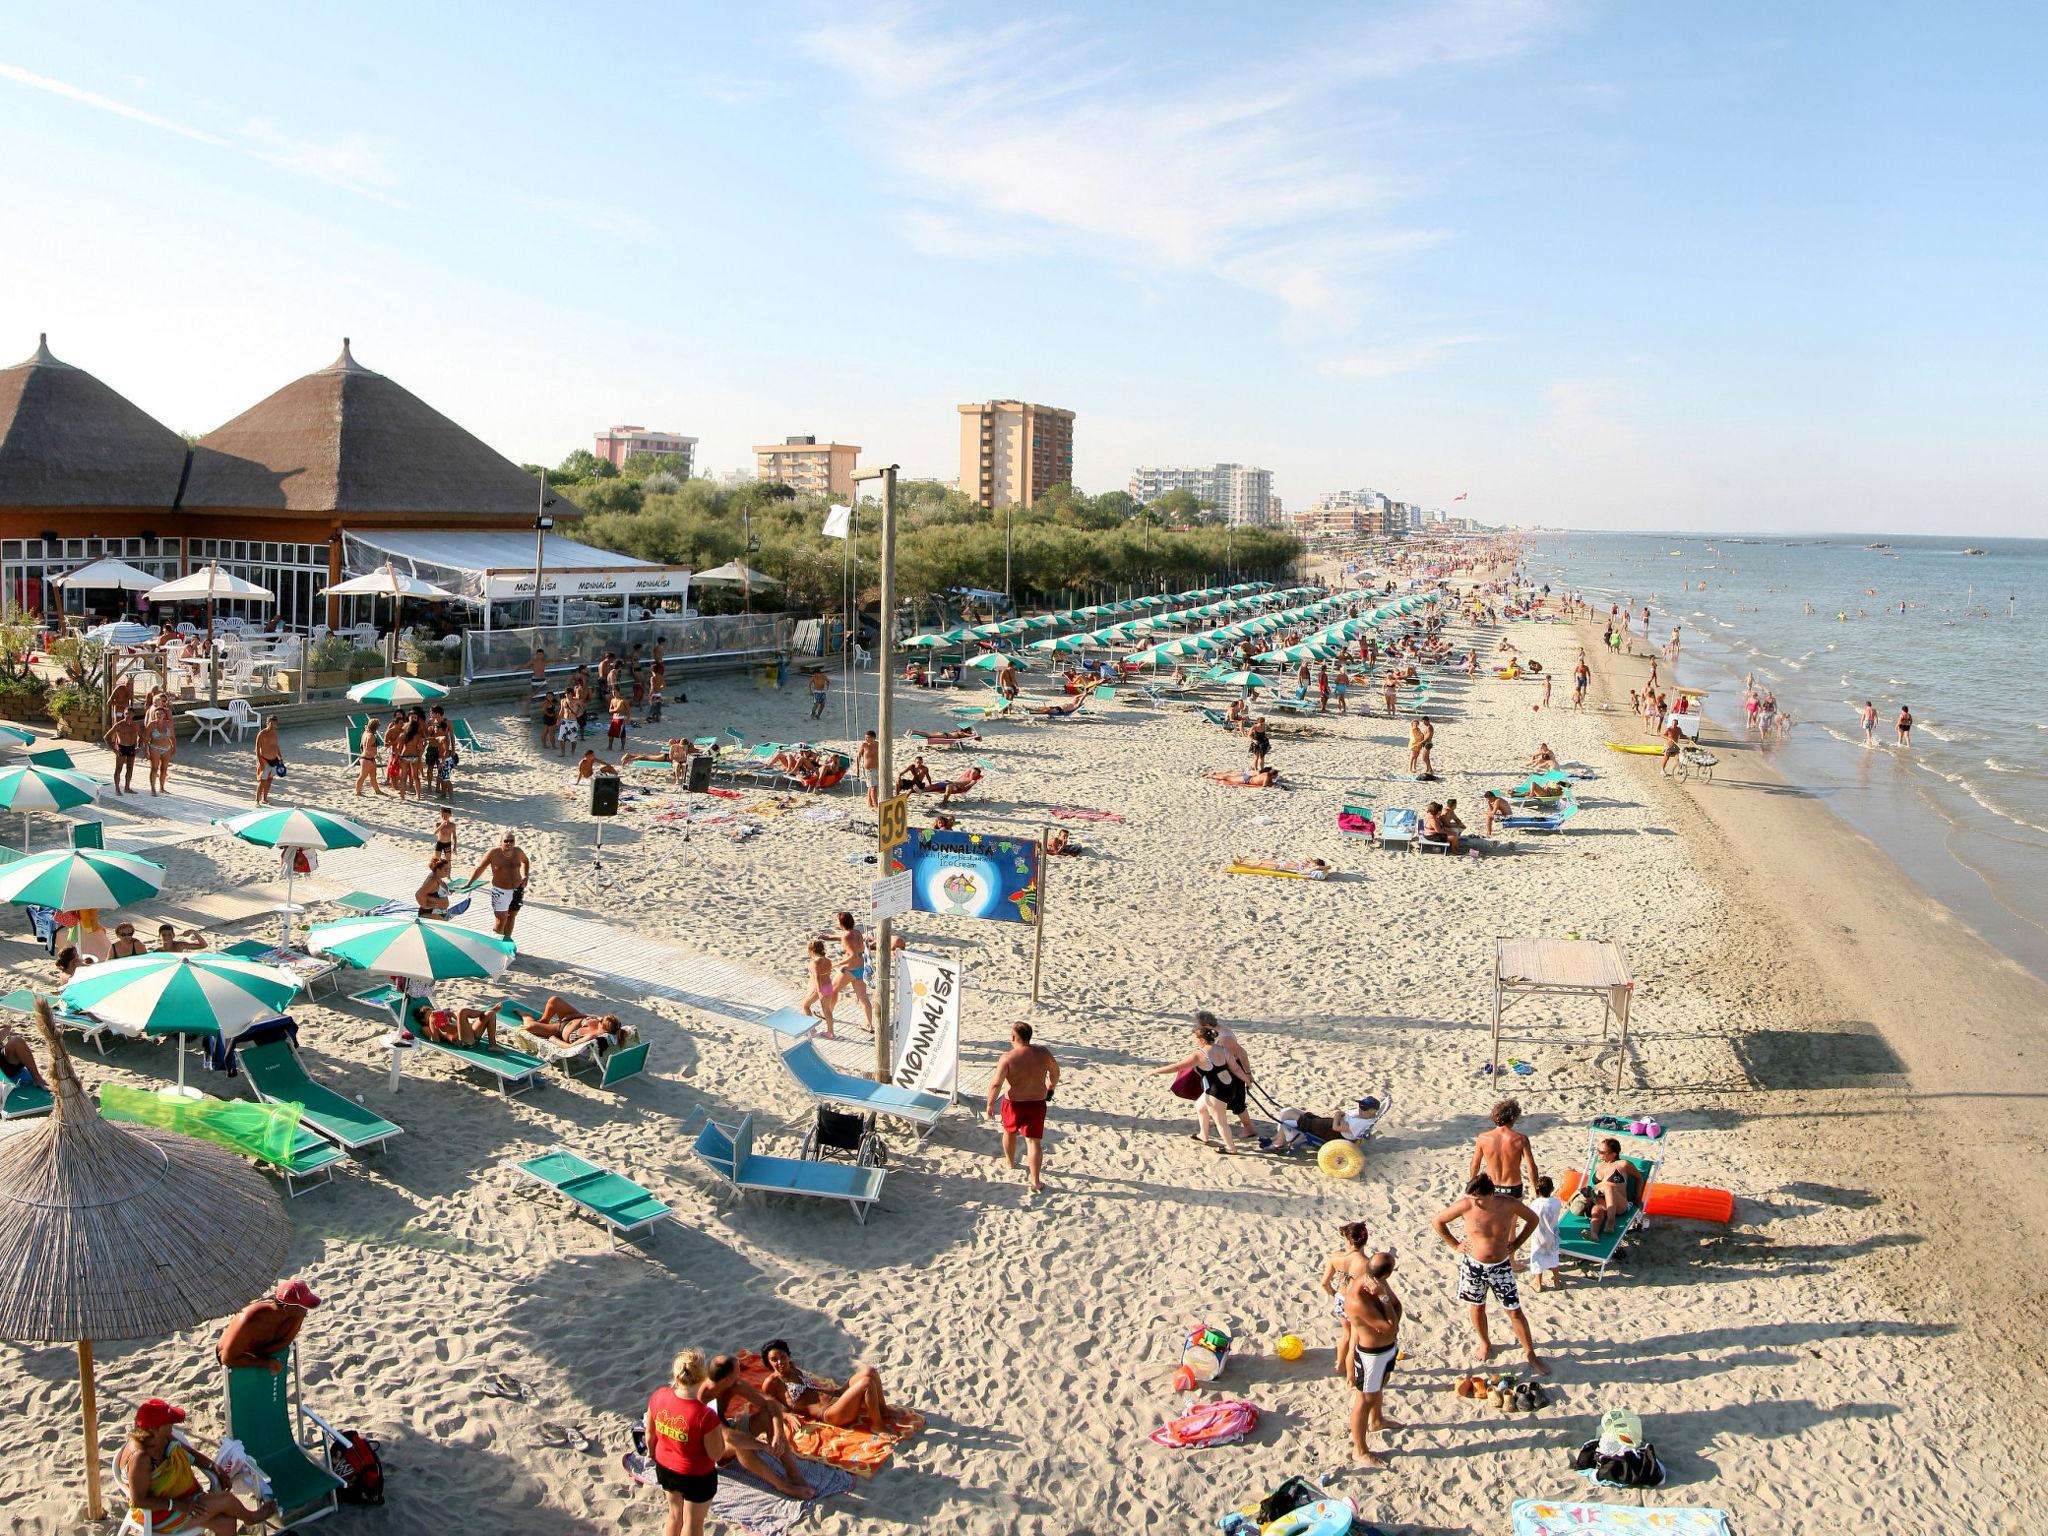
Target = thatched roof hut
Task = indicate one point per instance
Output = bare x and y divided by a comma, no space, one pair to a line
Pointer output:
66,440
350,442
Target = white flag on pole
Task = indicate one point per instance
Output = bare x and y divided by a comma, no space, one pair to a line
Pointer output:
836,520
927,1025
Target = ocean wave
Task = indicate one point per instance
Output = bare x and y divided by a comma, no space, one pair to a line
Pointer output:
1977,794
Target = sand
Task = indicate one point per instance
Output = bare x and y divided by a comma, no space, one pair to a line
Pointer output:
1844,1351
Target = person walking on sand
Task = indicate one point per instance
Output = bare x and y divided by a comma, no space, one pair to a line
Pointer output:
1262,743
1025,1080
1503,1152
853,964
125,737
821,685
822,990
269,760
509,871
1905,726
1495,1227
1581,676
1372,1314
160,741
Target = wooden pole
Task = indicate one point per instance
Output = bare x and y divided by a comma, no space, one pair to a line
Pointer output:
94,1509
885,767
1038,938
1496,1012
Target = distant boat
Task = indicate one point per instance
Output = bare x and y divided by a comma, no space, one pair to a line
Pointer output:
1877,546
1973,550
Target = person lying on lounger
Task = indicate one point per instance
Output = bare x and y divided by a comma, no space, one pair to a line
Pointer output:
947,738
1055,711
859,1406
757,1430
1307,869
1267,777
679,753
562,1020
797,762
465,1026
17,1060
959,786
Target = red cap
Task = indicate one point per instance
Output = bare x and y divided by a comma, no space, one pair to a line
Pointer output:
156,1413
296,1293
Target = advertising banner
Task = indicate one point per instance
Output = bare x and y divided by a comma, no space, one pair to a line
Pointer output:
971,874
927,1024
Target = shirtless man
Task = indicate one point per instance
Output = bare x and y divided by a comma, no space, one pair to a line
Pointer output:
1543,758
125,737
1503,1152
758,1430
260,1337
1025,1080
1674,738
1372,1313
1421,739
269,756
679,754
853,963
916,777
509,869
1494,1228
865,757
168,941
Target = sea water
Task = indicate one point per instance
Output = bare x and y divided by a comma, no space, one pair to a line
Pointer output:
1826,624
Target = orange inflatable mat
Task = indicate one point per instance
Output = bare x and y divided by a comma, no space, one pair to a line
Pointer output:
1680,1202
851,1450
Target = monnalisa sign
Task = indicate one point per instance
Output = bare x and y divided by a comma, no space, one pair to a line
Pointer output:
501,585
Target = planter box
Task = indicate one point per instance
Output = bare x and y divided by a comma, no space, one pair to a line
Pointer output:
24,706
364,674
336,679
78,724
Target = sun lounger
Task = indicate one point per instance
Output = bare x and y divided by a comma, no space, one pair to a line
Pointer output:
83,1025
20,1100
1645,1154
612,1198
828,1085
791,1023
1399,828
1217,717
1553,821
614,1063
1357,821
260,1415
729,1153
278,1076
512,1071
466,736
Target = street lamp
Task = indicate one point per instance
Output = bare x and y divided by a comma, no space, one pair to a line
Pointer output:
541,525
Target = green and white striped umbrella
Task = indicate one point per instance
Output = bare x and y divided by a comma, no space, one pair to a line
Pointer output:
410,946
995,661
15,733
30,788
1245,680
184,994
88,877
397,690
291,826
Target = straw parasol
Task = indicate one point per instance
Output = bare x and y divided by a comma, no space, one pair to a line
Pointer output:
117,1232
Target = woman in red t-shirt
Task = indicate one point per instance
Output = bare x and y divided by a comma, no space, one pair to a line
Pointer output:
687,1442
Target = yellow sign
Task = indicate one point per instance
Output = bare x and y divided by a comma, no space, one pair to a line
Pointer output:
894,817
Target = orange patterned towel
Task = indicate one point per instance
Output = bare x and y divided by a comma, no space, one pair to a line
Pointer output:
853,1450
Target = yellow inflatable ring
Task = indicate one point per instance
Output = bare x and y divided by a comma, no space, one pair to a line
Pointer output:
1340,1160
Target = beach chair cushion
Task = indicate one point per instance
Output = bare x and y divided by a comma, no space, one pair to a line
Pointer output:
277,1074
1400,825
260,1416
823,1081
21,1099
612,1198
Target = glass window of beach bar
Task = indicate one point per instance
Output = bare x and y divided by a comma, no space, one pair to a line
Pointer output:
296,573
29,567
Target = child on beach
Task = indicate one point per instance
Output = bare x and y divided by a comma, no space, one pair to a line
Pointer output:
1543,1254
822,988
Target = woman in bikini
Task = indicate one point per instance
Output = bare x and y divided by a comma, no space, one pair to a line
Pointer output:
860,1405
160,742
853,964
366,763
822,988
1345,1265
1610,1189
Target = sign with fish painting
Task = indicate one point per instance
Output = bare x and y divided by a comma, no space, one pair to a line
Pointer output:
971,874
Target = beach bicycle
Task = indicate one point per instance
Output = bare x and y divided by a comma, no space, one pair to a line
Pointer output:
1696,763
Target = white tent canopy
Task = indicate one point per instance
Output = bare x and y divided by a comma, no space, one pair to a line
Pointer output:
482,566
109,573
210,583
1525,968
388,581
734,574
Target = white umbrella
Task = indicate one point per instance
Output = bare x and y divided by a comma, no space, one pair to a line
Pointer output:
735,574
396,585
210,582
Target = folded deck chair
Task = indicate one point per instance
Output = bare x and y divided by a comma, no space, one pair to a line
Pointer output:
20,1100
612,1198
1645,1154
83,1025
728,1151
1399,828
466,736
1357,821
828,1085
260,1415
278,1076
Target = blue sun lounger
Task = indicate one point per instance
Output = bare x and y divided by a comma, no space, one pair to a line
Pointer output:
728,1151
841,1090
1553,822
1399,827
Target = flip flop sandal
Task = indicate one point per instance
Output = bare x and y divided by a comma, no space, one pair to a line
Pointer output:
511,1388
574,1439
552,1436
638,1468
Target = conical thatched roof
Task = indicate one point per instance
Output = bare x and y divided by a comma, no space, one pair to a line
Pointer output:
66,440
349,440
113,1232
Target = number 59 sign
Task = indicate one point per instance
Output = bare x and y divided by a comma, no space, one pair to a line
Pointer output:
894,822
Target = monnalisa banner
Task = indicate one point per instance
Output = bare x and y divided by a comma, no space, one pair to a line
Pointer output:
970,874
927,1024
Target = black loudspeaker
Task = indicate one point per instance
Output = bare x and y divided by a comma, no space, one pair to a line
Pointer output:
700,774
604,796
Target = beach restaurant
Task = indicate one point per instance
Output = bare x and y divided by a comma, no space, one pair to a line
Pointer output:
338,473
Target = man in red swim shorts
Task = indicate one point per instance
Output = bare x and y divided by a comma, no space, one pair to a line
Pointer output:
1024,1080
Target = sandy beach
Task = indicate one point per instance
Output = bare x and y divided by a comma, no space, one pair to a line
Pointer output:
1812,1032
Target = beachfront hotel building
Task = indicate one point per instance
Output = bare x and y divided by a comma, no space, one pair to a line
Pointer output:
805,464
1243,493
1014,452
620,444
335,473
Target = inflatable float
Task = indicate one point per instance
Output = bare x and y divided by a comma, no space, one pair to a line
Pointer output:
1678,1202
1645,748
1325,1517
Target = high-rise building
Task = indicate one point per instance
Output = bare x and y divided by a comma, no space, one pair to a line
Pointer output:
621,443
1014,452
806,464
1243,493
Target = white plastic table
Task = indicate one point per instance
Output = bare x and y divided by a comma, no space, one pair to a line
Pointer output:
213,725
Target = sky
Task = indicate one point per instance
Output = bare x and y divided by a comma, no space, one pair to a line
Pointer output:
1730,266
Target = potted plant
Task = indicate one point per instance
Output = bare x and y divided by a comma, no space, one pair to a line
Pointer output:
425,658
78,709
327,662
364,663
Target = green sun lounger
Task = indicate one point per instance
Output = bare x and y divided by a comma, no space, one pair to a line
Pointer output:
20,1100
278,1076
841,1090
259,1414
83,1025
512,1071
466,736
612,1198
728,1151
1645,1155
614,1064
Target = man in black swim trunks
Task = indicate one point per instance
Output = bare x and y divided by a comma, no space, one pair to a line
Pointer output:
1503,1152
125,737
1374,1313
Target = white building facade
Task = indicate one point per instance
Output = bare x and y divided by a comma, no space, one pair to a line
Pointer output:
1243,493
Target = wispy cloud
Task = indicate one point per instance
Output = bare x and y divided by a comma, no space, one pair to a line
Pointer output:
356,162
1387,362
1037,131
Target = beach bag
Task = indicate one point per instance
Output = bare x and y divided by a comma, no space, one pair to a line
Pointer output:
1288,1497
361,1470
1188,1085
1634,1468
1582,1201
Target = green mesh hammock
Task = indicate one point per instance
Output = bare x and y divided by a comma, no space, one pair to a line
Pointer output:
266,1131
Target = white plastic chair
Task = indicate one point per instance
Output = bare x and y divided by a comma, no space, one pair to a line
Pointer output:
242,719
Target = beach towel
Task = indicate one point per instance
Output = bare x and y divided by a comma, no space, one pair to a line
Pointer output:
1224,1422
851,1450
1298,869
747,1504
1549,1517
1081,813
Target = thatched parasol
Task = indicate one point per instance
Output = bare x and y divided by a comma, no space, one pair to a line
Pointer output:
117,1232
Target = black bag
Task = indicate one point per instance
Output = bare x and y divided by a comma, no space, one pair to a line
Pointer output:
1289,1496
1639,1468
360,1469
1322,1127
